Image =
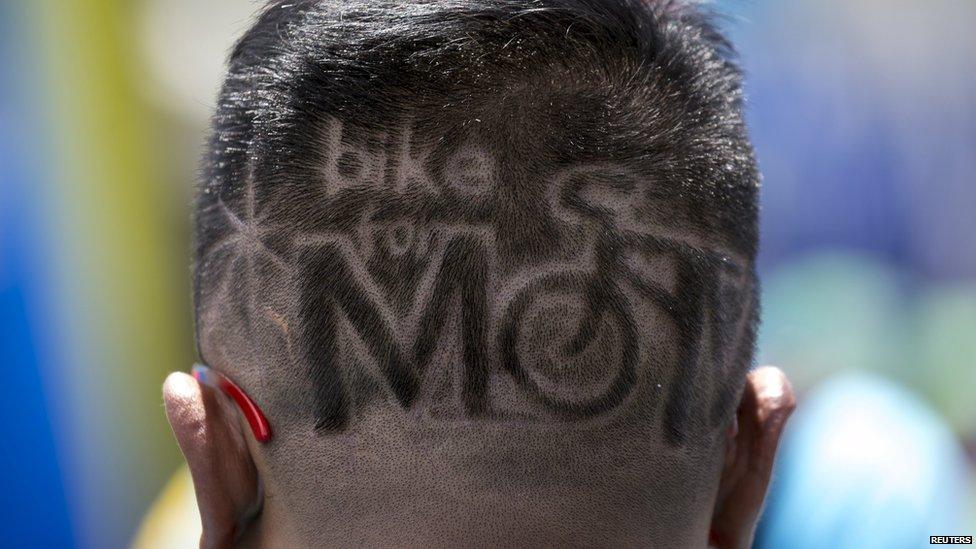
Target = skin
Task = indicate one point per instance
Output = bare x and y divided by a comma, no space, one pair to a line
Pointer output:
222,458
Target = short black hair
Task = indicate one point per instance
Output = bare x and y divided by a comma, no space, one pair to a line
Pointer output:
563,180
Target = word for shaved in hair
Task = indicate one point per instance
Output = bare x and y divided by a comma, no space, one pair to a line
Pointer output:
542,286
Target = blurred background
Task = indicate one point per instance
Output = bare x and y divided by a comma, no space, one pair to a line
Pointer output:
863,114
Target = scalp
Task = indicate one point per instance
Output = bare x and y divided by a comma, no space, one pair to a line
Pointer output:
512,148
470,240
482,249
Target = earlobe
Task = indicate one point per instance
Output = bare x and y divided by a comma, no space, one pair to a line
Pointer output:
224,476
766,404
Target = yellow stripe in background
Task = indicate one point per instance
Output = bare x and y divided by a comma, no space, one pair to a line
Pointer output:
174,520
122,257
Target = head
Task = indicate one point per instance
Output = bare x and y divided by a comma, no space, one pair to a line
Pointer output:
487,267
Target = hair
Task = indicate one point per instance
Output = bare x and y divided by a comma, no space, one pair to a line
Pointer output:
481,213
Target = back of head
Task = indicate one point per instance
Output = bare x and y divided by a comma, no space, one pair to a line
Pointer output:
487,266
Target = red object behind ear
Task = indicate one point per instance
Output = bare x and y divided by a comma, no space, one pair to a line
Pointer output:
259,424
257,421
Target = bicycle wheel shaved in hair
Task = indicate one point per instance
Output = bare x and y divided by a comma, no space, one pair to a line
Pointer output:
483,262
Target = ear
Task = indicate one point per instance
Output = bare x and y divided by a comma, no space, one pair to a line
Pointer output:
766,404
211,438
